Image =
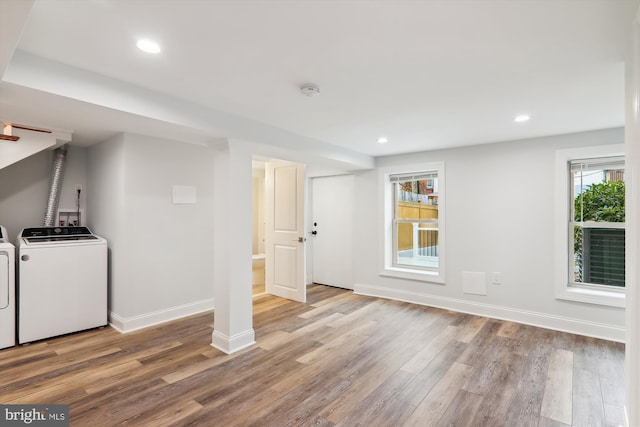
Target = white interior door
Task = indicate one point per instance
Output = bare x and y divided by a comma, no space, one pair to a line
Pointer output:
332,230
285,240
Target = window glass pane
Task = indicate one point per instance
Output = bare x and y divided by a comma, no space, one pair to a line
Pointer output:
416,219
603,255
417,245
598,197
424,192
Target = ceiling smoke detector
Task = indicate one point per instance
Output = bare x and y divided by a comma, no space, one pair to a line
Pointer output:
309,90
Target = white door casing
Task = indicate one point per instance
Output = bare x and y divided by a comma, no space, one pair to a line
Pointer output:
333,223
285,241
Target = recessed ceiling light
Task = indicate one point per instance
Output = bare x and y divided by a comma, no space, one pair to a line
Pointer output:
148,46
522,118
382,140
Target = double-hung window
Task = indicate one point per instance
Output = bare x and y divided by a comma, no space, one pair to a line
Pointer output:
413,209
597,222
590,239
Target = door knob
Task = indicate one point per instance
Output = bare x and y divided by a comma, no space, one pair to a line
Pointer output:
25,257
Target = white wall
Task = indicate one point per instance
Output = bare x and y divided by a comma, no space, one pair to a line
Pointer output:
161,253
24,188
105,165
500,218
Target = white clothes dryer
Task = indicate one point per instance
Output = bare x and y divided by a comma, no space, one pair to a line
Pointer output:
61,281
7,291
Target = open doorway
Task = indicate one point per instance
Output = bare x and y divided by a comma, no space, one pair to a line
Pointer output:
258,225
279,240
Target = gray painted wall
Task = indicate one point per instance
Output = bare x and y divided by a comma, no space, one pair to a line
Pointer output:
500,218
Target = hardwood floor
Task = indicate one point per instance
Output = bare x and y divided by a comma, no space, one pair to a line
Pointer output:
340,360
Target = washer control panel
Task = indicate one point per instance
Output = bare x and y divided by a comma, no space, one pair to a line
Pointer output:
56,234
55,231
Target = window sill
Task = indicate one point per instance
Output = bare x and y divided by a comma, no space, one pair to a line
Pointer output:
594,296
413,274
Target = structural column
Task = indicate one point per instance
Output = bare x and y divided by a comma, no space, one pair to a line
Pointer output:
632,145
233,317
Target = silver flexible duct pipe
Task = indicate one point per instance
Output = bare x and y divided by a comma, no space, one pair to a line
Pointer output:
57,172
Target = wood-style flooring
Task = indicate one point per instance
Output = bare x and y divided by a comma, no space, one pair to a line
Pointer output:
339,360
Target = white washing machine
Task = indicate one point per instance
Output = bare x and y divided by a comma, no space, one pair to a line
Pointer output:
61,281
7,291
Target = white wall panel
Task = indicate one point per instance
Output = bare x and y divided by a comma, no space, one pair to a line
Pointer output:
500,212
161,252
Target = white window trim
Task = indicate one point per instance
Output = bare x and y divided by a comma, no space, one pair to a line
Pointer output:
387,267
563,290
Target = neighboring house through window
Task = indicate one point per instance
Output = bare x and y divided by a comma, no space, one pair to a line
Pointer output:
413,206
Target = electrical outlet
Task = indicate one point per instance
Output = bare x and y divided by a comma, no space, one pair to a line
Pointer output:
497,278
78,188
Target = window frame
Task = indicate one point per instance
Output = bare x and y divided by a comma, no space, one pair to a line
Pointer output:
388,266
565,288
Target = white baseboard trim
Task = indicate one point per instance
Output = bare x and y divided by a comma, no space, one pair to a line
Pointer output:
234,343
548,321
129,324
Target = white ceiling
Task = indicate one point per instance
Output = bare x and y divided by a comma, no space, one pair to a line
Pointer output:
426,74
